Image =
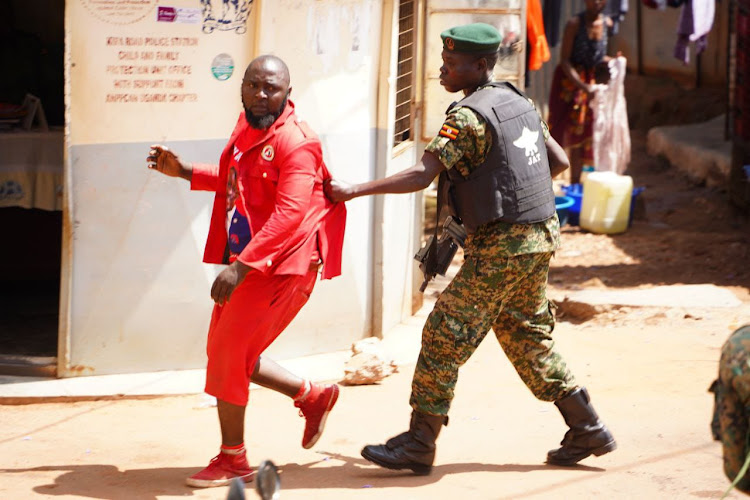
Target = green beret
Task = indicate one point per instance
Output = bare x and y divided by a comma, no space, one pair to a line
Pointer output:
477,38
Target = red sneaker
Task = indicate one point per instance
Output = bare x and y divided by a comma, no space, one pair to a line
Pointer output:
221,470
315,408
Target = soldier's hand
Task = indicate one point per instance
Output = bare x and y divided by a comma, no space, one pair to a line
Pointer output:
337,191
160,158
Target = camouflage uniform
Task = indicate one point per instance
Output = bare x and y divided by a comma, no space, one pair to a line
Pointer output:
501,285
733,403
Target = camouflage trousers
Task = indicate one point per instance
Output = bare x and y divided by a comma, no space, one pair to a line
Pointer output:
509,295
733,403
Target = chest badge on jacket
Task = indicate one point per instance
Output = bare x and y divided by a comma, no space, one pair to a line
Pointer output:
267,153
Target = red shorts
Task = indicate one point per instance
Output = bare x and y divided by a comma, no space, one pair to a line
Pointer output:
256,313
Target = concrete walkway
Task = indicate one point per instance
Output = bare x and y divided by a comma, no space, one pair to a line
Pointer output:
401,343
699,150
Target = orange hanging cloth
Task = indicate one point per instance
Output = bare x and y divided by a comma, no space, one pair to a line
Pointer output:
538,47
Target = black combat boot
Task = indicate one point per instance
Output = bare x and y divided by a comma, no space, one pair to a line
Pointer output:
413,449
587,434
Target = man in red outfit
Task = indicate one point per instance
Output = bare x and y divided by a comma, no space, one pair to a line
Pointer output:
272,171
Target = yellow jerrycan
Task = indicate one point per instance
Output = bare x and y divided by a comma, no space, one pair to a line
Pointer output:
605,207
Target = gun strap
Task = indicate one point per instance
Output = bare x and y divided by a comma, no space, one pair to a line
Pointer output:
431,263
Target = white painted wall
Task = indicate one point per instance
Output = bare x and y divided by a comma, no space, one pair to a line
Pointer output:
135,294
343,67
332,48
398,221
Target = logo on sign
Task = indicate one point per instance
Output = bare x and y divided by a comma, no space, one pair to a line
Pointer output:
222,67
180,15
166,14
225,15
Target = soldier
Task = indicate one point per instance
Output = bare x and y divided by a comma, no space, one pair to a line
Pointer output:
496,156
732,403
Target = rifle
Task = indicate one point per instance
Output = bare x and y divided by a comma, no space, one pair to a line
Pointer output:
435,257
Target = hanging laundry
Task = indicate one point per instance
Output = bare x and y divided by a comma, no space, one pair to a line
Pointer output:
696,20
537,47
610,129
551,13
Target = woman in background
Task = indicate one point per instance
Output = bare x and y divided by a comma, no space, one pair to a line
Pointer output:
583,63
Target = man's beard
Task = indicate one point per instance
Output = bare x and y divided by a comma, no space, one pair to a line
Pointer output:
265,121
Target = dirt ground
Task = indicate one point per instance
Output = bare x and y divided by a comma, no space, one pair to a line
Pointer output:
647,369
681,233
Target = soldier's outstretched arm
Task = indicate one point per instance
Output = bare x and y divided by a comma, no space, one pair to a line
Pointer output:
558,160
410,180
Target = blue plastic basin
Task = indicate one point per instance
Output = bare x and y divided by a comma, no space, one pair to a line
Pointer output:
633,198
574,191
562,206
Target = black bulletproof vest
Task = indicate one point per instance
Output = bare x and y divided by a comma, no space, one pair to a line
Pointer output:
514,182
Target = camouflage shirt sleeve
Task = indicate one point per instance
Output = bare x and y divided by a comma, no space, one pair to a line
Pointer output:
463,142
545,129
733,403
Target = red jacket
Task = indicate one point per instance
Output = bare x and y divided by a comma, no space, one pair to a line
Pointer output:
280,181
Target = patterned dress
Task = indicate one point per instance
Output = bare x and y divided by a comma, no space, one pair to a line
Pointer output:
502,285
570,116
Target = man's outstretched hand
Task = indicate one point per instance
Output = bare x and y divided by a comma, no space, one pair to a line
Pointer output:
227,281
161,159
337,191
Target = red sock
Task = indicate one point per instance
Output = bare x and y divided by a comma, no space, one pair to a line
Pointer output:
304,390
238,449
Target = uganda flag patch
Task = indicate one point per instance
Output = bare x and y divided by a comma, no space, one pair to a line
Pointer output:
448,131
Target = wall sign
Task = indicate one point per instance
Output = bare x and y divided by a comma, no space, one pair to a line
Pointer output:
149,69
136,58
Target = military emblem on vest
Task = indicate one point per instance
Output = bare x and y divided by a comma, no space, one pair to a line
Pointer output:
528,141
